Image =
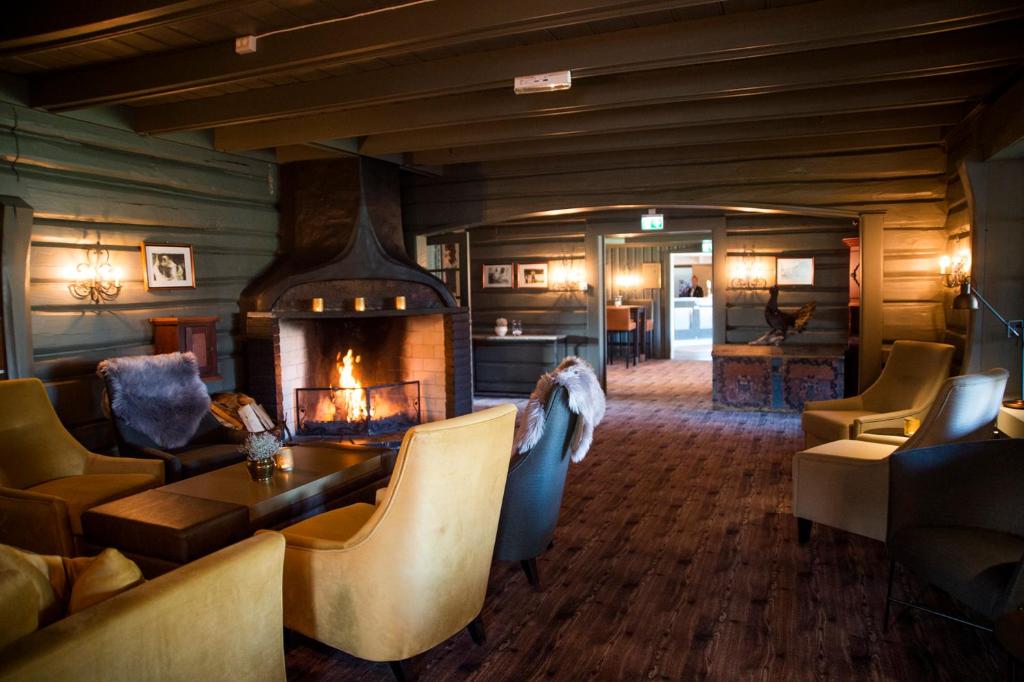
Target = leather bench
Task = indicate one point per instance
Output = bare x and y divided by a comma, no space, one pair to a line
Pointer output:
161,530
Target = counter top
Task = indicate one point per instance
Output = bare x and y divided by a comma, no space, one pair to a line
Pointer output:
721,350
521,337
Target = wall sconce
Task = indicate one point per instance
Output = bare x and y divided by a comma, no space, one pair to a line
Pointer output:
95,278
957,270
748,272
567,275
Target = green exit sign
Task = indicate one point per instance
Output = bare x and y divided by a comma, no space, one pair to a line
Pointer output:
652,221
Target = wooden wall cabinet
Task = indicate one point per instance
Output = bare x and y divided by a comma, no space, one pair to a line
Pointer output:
189,334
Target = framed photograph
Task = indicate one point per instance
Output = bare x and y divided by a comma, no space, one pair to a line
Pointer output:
169,266
450,255
794,271
498,276
532,275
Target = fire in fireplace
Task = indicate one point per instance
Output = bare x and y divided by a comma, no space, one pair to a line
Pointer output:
351,410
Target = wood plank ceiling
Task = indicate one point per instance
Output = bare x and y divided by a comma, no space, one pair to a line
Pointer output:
428,82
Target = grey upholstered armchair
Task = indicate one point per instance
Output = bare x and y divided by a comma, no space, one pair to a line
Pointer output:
956,520
189,439
533,491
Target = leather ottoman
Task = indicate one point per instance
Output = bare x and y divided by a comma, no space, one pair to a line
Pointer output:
167,528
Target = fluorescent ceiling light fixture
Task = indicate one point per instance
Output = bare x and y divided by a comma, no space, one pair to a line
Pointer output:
543,82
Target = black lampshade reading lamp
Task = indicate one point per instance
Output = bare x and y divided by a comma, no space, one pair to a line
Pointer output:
968,300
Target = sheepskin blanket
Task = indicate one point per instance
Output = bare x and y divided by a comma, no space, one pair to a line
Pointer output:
161,396
586,399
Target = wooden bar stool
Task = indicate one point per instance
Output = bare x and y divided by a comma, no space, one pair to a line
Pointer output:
620,325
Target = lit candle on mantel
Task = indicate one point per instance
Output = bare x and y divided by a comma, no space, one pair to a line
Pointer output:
399,302
318,305
360,304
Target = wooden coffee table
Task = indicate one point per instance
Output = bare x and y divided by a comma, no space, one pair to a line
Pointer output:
177,523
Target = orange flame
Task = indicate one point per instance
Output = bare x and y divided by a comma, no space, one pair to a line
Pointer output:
351,393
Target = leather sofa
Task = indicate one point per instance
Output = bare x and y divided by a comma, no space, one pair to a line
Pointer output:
47,478
906,388
218,618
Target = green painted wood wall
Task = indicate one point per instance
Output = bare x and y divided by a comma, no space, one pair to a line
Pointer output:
541,311
87,181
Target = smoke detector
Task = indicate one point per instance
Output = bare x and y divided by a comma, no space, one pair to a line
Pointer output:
543,82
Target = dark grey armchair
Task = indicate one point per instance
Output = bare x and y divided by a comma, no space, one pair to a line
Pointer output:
194,442
533,491
956,520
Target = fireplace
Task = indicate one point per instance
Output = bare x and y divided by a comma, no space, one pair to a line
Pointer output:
357,412
342,370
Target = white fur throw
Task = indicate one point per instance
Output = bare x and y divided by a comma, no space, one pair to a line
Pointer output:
586,399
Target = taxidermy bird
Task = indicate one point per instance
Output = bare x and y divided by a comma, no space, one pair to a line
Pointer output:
781,322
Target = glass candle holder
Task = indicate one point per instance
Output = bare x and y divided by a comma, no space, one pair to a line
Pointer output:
910,426
318,305
517,328
399,302
284,459
360,304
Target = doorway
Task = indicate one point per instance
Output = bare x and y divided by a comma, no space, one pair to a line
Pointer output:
690,306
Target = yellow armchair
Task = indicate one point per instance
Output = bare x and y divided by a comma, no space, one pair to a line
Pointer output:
217,618
907,386
387,582
47,478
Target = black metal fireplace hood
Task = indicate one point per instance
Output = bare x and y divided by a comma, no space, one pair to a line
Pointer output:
341,236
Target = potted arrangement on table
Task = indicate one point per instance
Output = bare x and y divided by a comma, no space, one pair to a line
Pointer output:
259,449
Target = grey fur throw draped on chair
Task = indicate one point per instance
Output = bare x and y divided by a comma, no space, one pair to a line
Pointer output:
160,396
586,399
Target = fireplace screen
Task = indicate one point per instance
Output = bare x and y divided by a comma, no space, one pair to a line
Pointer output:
353,412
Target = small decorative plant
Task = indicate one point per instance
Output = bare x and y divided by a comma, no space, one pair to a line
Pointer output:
260,446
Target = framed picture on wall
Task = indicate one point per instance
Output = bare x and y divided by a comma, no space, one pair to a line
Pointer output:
532,275
169,266
498,276
794,271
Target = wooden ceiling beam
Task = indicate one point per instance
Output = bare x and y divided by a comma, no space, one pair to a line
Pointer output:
854,66
417,27
865,126
880,96
31,27
784,148
825,24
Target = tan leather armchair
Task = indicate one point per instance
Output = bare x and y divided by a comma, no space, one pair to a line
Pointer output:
47,479
906,388
217,618
388,582
845,484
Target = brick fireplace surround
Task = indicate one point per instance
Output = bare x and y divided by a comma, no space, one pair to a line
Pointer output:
342,231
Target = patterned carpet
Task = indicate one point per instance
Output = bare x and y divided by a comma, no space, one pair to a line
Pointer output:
676,559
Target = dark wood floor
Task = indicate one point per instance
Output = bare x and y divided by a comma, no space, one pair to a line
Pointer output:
676,559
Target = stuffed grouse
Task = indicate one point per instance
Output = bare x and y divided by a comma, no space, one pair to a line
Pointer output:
781,322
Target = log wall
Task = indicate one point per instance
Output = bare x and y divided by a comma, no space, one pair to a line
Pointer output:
87,182
898,174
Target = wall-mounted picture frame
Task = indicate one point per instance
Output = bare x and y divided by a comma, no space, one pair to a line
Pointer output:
169,266
498,276
532,275
794,272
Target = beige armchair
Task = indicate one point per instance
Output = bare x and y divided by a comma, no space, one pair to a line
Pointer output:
47,479
218,618
845,483
908,384
390,581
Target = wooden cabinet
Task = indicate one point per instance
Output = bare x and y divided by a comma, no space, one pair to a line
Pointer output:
189,334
